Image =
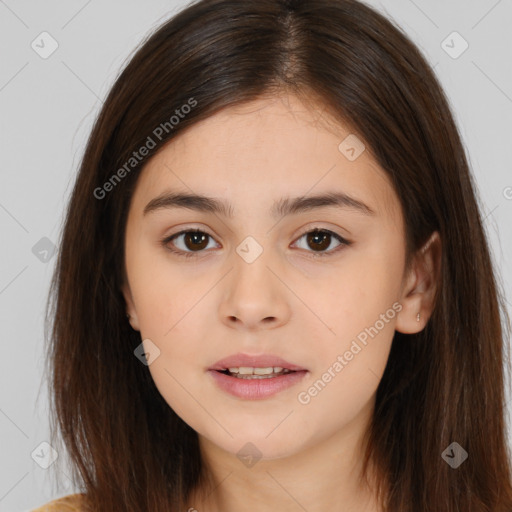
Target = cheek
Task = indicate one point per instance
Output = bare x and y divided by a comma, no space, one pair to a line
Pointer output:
173,328
170,312
361,306
353,294
345,383
162,292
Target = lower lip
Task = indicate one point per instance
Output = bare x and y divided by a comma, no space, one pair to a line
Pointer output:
256,389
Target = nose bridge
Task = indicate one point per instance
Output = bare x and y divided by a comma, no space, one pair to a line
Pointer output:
254,293
251,263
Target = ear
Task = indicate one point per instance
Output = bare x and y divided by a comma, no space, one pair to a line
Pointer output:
419,287
130,307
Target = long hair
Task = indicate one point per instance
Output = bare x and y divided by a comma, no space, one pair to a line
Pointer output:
129,450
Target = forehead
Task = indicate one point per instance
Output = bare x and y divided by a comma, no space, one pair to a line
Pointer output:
267,148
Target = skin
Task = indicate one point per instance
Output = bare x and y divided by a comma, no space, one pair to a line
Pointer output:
289,302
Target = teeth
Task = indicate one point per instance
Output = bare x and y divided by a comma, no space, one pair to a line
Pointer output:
252,377
246,370
263,371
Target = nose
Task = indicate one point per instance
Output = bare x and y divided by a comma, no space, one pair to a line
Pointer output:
255,296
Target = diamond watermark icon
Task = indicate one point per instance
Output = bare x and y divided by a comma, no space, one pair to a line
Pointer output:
44,455
249,454
454,455
351,147
454,45
147,352
249,249
44,249
44,45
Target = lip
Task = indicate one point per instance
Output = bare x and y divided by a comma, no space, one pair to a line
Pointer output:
256,389
254,361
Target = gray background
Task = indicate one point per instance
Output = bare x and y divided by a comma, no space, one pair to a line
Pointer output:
47,110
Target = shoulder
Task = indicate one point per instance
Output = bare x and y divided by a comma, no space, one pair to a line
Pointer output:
69,503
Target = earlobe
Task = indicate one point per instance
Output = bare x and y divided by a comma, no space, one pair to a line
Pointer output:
131,313
419,291
411,318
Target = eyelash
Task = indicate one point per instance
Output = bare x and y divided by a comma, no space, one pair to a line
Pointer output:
188,254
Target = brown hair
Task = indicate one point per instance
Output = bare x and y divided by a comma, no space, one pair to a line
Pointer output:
129,451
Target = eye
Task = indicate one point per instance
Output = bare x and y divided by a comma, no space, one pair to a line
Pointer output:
192,238
321,239
195,241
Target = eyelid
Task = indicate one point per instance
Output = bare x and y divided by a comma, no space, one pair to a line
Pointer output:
309,229
169,238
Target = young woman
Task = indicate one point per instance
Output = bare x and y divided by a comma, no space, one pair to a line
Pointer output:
274,290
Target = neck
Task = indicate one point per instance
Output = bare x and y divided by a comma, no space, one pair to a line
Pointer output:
326,475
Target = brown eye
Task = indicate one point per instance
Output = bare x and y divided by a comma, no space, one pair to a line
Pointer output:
195,240
192,242
320,239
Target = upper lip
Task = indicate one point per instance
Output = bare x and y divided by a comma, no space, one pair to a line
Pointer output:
253,361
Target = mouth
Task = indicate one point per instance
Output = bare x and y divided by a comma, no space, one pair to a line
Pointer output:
247,364
255,377
246,372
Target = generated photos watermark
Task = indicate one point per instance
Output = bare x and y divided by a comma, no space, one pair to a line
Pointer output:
137,156
304,397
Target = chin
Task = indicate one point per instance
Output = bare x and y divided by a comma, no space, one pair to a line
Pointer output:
256,444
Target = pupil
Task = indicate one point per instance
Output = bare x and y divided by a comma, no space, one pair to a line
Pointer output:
325,236
192,235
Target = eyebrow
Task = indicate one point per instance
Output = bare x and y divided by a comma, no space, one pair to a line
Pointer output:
283,207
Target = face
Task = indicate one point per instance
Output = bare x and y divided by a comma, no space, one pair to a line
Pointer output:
262,281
